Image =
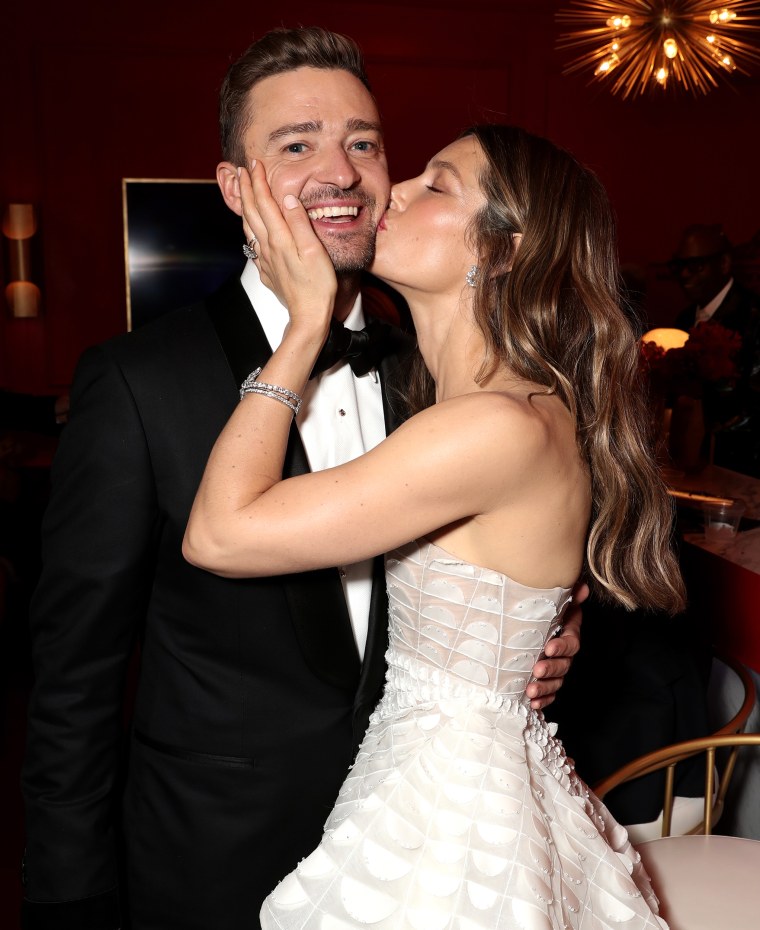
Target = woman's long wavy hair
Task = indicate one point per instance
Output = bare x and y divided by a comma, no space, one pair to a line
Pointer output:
556,319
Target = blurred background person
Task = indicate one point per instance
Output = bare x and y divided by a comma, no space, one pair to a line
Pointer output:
702,264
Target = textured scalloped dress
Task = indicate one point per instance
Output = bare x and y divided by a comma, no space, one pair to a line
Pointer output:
461,811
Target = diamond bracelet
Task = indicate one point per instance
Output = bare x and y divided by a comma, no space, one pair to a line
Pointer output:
284,395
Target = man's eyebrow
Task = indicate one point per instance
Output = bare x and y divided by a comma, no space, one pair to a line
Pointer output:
290,129
446,166
356,124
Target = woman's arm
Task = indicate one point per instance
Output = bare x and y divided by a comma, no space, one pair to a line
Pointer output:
455,460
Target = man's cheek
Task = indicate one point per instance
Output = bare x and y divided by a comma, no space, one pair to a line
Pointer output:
281,182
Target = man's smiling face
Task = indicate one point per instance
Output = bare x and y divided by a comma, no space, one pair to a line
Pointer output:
318,135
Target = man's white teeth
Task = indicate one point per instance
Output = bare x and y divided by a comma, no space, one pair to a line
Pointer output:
332,211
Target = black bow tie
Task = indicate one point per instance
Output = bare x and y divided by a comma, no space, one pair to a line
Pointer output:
363,349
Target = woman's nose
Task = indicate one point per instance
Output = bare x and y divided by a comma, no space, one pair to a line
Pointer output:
398,196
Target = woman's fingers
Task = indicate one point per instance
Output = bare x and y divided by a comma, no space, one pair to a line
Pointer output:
266,210
298,222
252,224
291,259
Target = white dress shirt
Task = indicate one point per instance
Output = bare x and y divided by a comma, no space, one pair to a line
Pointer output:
705,313
340,419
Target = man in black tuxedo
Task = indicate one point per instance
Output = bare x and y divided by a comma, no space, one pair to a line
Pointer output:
252,695
702,264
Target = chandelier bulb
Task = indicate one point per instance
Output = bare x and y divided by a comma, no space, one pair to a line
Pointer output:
607,65
723,15
619,22
670,48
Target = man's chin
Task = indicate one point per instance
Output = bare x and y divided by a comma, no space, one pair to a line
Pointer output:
350,260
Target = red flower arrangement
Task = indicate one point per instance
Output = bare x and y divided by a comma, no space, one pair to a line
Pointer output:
707,358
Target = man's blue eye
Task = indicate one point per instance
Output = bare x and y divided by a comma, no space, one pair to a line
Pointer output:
296,147
364,145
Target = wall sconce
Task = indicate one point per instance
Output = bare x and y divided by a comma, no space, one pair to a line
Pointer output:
19,227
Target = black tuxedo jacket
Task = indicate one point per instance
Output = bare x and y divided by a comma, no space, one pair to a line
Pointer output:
251,697
738,311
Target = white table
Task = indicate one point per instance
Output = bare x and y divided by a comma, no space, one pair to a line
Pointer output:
705,882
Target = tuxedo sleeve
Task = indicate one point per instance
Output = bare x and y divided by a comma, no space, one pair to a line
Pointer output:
86,612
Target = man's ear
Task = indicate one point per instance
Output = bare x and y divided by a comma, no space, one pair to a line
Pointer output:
229,185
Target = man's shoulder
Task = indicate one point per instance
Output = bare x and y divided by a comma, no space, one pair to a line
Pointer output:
740,310
381,302
176,331
390,319
745,298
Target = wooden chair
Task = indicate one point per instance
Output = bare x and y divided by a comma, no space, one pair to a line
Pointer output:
668,757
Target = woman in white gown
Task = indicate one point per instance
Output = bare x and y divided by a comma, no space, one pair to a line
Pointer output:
523,467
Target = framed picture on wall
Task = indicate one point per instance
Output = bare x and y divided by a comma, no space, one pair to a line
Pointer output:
181,242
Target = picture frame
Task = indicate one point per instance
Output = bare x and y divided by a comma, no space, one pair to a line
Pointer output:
181,242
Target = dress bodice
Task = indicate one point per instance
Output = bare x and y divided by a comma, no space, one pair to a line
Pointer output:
457,629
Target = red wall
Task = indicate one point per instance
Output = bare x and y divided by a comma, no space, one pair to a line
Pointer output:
94,92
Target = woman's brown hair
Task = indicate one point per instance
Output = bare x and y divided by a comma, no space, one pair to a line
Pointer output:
550,310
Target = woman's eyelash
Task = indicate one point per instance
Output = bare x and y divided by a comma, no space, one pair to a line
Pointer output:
436,190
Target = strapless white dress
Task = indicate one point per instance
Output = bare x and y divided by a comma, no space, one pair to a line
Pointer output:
461,811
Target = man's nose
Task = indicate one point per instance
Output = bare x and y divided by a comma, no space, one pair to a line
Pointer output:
337,168
685,273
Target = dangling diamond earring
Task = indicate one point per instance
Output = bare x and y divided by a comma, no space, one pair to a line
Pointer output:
471,275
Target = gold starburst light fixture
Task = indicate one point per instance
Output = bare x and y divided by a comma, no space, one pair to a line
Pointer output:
634,45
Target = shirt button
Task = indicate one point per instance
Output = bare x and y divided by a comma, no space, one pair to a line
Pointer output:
341,412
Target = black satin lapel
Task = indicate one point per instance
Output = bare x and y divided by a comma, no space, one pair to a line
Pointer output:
242,338
373,666
239,330
391,370
316,600
727,313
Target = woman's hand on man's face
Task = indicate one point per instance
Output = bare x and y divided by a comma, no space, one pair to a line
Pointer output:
291,260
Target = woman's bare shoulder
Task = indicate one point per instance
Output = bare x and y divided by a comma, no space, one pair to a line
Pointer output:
497,416
492,438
